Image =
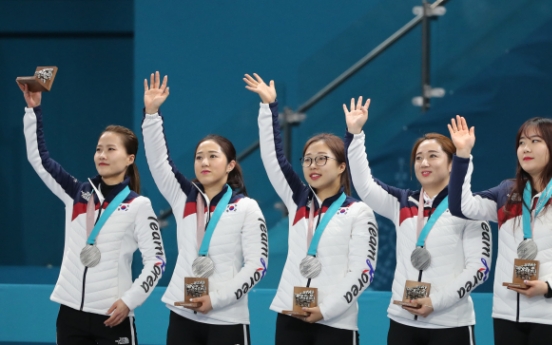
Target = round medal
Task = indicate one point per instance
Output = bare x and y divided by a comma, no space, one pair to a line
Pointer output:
90,255
310,267
203,267
527,249
420,258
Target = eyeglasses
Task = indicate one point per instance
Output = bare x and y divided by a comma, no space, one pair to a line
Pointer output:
318,160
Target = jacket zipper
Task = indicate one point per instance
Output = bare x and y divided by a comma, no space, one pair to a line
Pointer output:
421,272
206,224
86,268
517,312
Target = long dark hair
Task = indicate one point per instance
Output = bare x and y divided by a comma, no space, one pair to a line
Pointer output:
543,126
335,144
130,142
235,177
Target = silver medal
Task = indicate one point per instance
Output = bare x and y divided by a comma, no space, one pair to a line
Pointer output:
310,267
527,249
420,258
203,267
90,255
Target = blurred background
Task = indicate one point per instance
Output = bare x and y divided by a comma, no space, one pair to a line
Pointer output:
488,60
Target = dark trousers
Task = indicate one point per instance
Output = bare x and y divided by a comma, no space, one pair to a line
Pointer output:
292,331
183,331
79,327
521,333
400,334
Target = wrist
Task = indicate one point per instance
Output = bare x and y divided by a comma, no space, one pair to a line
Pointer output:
152,111
355,130
463,153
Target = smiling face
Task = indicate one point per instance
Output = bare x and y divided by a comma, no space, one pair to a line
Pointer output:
532,153
326,177
432,166
111,158
211,165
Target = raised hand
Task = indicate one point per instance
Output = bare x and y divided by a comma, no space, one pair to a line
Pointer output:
32,98
462,136
155,94
357,116
257,85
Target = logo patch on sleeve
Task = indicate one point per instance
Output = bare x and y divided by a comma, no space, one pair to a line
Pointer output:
86,195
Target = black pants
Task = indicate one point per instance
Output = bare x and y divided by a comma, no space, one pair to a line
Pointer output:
400,334
79,327
292,331
521,333
183,331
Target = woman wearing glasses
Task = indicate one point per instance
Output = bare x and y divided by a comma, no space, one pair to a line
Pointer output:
332,237
450,253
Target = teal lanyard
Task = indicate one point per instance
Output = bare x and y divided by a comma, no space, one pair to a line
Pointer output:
443,206
332,210
107,213
526,214
221,207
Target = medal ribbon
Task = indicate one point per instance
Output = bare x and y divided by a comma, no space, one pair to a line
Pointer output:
105,215
526,214
332,210
221,207
443,206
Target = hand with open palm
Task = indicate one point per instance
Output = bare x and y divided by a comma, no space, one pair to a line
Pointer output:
257,85
357,116
462,136
156,93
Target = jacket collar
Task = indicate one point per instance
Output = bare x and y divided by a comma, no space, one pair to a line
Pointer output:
329,200
442,194
216,198
95,182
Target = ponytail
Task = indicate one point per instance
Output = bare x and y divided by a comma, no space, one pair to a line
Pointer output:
235,179
132,172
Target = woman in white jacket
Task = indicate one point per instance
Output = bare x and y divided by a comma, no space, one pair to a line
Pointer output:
520,206
454,255
347,247
106,221
238,248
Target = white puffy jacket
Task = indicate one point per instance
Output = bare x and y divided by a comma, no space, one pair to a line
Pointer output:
460,249
132,226
347,250
238,248
490,205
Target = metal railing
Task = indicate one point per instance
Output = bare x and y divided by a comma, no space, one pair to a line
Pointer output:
291,118
422,15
